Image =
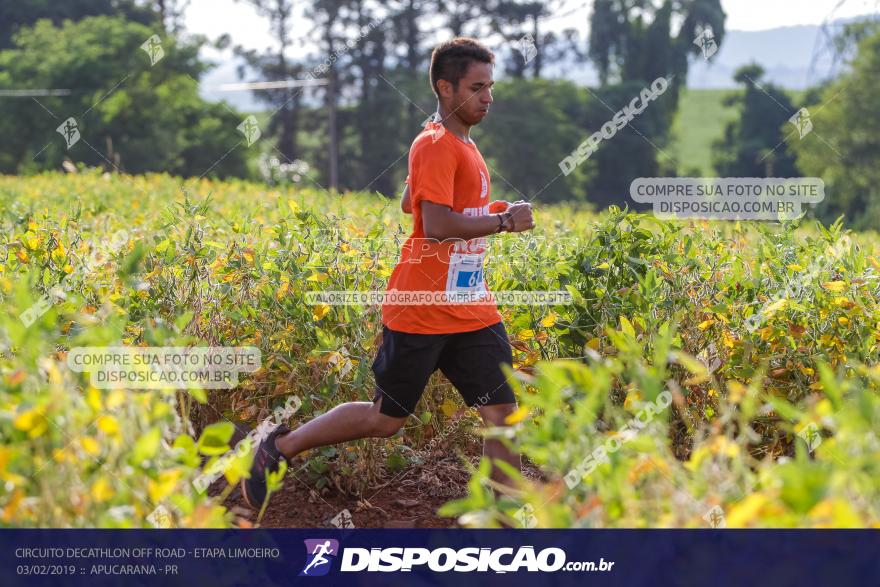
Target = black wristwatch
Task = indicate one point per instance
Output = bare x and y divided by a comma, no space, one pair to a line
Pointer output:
502,220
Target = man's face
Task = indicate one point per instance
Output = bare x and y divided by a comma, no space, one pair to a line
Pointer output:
471,100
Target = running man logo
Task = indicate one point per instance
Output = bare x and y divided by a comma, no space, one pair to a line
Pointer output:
250,129
70,131
153,48
526,46
802,122
436,132
706,42
812,435
318,553
715,517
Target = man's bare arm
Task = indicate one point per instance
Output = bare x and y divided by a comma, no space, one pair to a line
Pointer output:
441,223
405,202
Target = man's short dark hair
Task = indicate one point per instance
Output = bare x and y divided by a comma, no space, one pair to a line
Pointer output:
450,60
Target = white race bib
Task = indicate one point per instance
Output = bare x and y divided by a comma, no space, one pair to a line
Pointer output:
465,276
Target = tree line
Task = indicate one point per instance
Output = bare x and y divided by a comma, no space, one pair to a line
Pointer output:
136,116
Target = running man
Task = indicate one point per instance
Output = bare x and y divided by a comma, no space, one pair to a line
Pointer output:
319,552
448,194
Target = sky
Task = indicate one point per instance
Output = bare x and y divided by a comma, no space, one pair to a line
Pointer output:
240,21
246,28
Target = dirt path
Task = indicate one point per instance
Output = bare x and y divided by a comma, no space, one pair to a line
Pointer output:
407,499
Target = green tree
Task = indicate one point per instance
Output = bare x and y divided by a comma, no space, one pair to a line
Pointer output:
754,145
636,150
634,39
518,22
285,104
24,13
533,125
378,112
131,115
632,43
844,145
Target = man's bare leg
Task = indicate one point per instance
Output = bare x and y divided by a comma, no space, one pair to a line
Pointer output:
494,415
348,421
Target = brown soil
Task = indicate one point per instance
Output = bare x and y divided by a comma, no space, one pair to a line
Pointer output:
406,499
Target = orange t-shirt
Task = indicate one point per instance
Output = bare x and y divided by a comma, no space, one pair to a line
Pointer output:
445,170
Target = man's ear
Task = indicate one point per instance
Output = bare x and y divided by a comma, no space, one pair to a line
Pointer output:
445,88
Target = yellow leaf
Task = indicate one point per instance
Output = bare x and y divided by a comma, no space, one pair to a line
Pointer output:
776,306
806,370
93,398
603,266
448,407
317,277
115,399
12,506
725,446
164,486
108,425
32,241
639,470
283,288
594,343
527,334
32,421
706,324
836,513
735,391
549,320
835,286
626,327
5,473
747,510
631,398
320,311
90,445
518,416
729,340
58,254
102,490
294,207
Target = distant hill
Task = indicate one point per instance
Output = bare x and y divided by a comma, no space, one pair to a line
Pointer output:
786,53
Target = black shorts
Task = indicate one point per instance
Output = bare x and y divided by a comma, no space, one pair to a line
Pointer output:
470,360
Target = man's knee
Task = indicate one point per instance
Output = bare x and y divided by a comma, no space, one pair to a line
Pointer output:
386,426
382,425
495,415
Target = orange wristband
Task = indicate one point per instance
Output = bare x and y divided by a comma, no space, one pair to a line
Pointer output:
497,206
